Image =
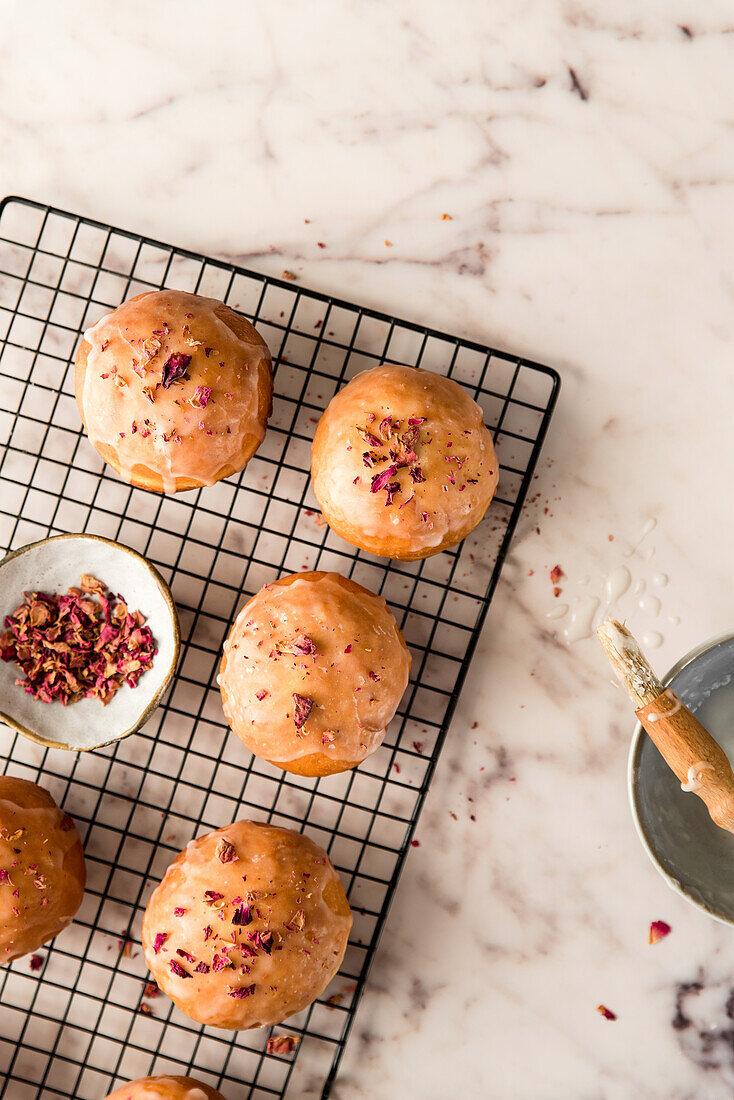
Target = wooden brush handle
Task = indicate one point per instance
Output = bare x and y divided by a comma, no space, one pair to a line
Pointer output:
700,763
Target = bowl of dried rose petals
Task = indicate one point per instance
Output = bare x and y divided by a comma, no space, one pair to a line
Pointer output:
89,641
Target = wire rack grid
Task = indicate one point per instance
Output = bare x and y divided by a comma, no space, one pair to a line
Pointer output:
75,1029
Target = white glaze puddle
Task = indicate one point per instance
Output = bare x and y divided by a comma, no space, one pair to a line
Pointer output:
557,612
652,639
581,619
650,605
616,584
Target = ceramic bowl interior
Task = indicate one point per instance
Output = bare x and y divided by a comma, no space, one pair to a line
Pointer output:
694,855
54,565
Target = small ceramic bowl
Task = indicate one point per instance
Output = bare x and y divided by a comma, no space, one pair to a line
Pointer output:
695,857
54,565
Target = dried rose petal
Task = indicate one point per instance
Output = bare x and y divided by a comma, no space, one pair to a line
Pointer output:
261,694
391,490
386,427
240,991
144,1009
297,921
201,968
151,989
380,481
242,915
414,421
210,896
35,962
301,646
220,962
178,970
265,940
659,929
201,396
282,1044
369,438
555,574
302,708
178,911
606,1012
417,474
185,955
174,368
160,939
82,644
225,851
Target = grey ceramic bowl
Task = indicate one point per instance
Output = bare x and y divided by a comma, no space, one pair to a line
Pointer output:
694,856
54,565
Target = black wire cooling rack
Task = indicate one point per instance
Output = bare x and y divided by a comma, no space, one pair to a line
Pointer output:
75,1028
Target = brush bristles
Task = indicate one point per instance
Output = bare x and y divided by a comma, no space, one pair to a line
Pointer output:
629,663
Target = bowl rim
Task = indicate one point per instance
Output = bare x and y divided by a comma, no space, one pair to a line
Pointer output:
165,591
638,738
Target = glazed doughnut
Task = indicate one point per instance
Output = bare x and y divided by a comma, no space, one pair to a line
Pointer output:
165,1088
174,390
42,871
402,464
248,925
312,673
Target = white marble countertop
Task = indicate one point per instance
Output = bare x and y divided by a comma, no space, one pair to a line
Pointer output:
585,154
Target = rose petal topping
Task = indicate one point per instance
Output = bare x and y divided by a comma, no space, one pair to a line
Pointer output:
174,368
391,490
297,921
178,970
301,646
380,481
160,939
242,915
606,1012
240,991
417,474
226,852
178,911
302,707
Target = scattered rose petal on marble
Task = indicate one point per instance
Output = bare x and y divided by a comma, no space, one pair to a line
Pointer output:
606,1012
659,929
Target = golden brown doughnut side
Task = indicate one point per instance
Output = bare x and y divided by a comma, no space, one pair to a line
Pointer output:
243,334
322,642
402,463
248,926
42,870
165,1088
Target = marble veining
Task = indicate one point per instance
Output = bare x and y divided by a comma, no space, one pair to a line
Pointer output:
549,176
